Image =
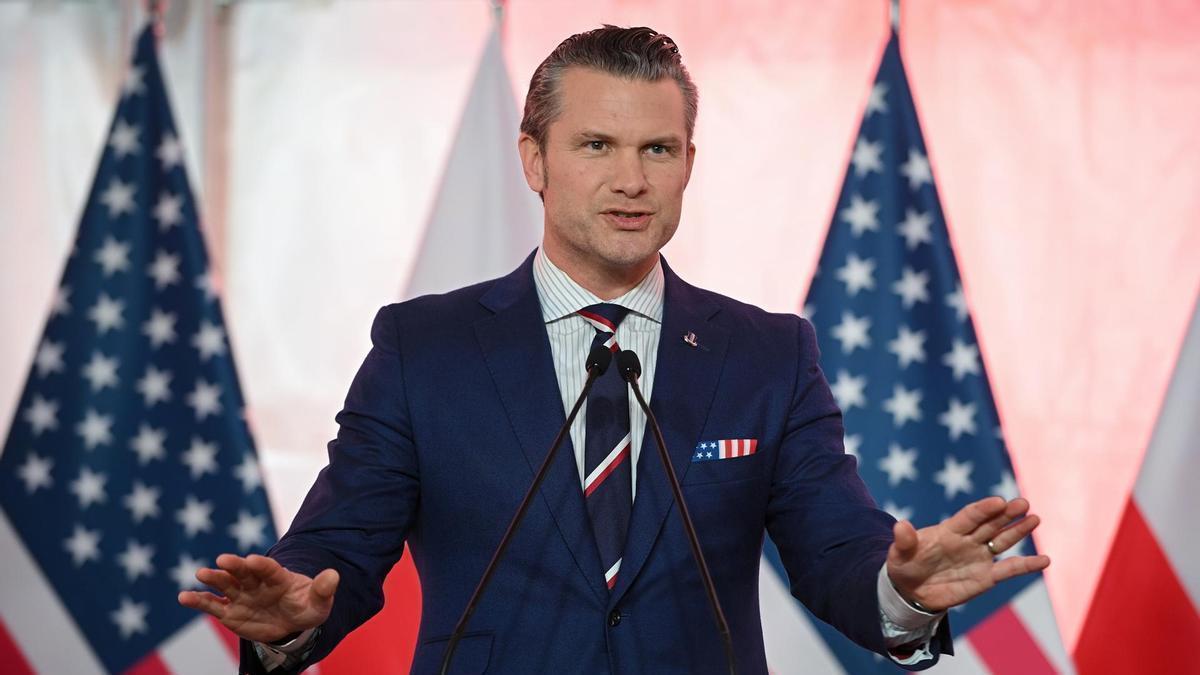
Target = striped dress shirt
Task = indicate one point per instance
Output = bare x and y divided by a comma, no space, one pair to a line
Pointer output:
571,340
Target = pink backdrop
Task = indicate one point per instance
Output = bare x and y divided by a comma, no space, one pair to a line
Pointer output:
1063,136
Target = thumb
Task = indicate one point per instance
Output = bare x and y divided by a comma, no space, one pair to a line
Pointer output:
905,545
323,586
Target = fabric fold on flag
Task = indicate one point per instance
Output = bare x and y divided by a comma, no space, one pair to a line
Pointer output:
899,349
129,463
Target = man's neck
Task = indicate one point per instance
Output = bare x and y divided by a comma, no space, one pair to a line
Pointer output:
605,283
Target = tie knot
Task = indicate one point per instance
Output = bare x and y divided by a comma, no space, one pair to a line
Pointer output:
604,316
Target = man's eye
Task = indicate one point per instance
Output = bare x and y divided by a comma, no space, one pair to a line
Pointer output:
596,145
659,149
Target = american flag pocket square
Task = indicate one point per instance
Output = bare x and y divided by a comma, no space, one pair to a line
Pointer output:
725,449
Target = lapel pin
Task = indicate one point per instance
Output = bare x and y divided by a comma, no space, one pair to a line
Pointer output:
690,338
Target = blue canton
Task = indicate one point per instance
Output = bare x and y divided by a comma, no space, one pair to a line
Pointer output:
705,451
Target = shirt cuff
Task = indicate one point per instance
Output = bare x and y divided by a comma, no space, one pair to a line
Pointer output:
897,611
287,654
907,631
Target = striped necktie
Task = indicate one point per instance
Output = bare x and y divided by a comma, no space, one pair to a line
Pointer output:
608,487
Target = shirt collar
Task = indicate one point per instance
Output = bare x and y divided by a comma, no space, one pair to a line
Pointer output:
560,296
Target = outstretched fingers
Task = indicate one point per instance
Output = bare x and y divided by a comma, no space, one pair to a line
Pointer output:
234,565
251,571
221,580
1012,535
975,515
204,602
987,531
1018,565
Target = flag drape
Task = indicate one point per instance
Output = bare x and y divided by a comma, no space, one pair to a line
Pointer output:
129,463
900,352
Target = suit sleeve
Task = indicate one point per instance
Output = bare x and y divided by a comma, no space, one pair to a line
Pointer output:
832,539
358,512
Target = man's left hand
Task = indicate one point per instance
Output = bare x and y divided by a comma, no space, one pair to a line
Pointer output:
949,563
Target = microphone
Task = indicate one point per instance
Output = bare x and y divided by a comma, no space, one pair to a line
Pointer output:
597,363
630,368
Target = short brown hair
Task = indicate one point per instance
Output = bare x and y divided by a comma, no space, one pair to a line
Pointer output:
636,53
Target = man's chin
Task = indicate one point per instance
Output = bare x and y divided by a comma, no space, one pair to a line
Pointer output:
629,262
630,249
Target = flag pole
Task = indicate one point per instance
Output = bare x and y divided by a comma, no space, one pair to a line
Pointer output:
498,15
894,15
156,10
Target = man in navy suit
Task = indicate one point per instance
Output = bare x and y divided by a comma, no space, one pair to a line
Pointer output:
458,400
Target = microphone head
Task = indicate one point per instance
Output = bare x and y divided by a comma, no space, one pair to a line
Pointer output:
629,365
598,360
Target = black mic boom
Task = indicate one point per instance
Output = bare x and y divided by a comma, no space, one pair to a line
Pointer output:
597,362
630,368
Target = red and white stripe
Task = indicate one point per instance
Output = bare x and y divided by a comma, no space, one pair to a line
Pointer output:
610,577
1145,615
1020,637
37,635
738,447
604,469
600,323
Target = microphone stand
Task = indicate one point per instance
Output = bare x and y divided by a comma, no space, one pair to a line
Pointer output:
597,362
631,369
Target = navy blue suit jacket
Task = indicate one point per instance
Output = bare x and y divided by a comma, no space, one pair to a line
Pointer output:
453,411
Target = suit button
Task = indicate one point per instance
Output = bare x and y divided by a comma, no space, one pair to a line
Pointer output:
614,618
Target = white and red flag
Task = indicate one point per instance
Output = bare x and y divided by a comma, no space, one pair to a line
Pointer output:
1145,615
485,219
484,222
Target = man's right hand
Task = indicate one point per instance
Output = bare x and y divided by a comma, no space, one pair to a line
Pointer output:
262,600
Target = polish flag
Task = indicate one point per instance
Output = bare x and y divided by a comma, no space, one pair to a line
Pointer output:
485,220
1145,615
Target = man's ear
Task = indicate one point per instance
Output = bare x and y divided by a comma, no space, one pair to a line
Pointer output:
533,162
691,157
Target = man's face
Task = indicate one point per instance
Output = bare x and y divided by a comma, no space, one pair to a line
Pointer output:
612,173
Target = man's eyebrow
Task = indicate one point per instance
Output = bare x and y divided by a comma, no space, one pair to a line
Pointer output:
670,139
590,135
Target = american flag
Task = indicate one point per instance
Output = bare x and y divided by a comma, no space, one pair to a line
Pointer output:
900,352
724,449
129,463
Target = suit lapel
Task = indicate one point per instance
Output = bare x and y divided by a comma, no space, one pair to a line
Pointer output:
517,351
684,387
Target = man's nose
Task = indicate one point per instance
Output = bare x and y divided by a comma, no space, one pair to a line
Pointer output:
629,175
